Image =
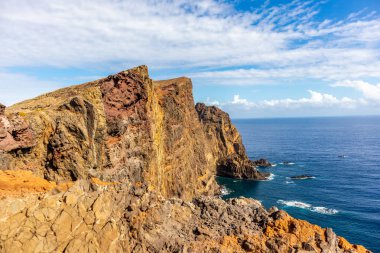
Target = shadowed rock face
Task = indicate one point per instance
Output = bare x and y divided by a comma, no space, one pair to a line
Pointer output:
142,158
232,160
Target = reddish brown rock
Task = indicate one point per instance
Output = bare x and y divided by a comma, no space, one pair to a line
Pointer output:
15,133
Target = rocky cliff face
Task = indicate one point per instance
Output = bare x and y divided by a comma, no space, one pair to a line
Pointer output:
127,164
227,145
123,128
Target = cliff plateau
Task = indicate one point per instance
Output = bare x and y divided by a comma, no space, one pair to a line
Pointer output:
128,164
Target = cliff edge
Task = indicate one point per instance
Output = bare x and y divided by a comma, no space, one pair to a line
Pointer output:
128,164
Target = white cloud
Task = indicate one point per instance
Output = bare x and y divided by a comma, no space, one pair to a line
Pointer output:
369,91
315,100
18,87
166,33
241,101
333,70
211,102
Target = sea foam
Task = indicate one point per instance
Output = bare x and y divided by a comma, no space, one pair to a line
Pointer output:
324,210
225,191
303,205
270,178
294,203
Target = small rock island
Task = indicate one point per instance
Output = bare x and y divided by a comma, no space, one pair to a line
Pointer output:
302,177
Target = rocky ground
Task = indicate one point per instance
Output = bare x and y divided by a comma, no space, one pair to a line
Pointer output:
128,164
97,216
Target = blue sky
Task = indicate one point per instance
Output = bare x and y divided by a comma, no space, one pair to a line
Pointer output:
251,58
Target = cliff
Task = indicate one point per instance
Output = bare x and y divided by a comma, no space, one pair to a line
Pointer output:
128,164
227,145
121,128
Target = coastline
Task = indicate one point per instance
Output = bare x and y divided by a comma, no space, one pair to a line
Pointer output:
139,160
346,184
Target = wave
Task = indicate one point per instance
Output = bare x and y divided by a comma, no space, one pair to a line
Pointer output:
301,177
303,205
287,163
324,210
274,165
289,182
225,191
271,177
294,203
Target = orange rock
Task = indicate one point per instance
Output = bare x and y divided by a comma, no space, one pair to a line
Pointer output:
299,232
346,246
65,185
97,181
18,182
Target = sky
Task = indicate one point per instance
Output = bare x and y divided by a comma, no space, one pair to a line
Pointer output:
252,58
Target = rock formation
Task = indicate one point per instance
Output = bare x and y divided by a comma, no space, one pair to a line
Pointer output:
226,144
301,177
127,164
121,128
15,133
262,163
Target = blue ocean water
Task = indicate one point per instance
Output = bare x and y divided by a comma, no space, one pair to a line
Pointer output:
343,154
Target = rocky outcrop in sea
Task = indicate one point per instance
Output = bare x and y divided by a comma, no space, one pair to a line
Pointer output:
128,164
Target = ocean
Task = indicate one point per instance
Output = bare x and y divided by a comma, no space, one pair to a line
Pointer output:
343,156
